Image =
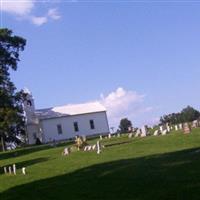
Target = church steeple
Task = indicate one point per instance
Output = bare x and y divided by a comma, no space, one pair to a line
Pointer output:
29,106
32,122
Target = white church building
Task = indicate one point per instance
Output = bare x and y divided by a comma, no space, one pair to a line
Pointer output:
64,122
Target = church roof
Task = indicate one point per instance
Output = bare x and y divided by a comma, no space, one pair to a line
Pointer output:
70,110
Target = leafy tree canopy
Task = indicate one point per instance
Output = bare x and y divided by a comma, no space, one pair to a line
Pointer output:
125,125
11,111
188,114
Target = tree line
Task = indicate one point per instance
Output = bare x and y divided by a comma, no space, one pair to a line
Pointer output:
188,114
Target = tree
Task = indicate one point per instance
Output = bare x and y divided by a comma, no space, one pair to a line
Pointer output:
188,114
11,110
125,125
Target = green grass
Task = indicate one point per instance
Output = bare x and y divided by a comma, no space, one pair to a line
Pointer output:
162,167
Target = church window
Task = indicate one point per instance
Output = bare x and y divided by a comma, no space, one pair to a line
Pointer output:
76,128
59,129
35,136
92,124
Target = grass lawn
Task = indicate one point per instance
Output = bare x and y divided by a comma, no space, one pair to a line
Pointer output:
162,167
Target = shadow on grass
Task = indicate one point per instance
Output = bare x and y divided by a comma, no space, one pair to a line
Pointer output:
26,163
166,176
23,151
31,149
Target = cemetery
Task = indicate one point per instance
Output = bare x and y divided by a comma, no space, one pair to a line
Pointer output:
93,68
161,163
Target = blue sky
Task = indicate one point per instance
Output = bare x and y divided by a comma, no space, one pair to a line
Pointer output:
140,59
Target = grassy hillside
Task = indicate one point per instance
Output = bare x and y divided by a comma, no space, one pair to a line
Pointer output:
162,167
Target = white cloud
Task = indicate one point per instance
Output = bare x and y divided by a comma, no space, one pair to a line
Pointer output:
53,14
122,103
17,7
39,20
23,10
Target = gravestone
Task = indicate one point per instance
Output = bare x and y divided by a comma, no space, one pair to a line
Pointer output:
101,138
186,128
195,124
168,128
24,171
130,135
89,148
14,169
84,138
138,132
85,148
109,136
130,129
94,147
180,126
144,131
98,147
176,127
10,169
66,151
118,135
163,127
164,132
156,133
5,170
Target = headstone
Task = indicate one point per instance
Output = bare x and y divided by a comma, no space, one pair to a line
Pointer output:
164,132
176,127
130,129
138,132
161,128
85,148
100,137
14,169
130,135
94,147
89,148
118,135
24,171
195,124
84,138
186,128
10,170
168,128
5,170
66,151
98,147
109,136
180,126
156,133
144,131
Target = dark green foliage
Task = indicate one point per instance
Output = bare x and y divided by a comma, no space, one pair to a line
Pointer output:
11,118
188,114
125,124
